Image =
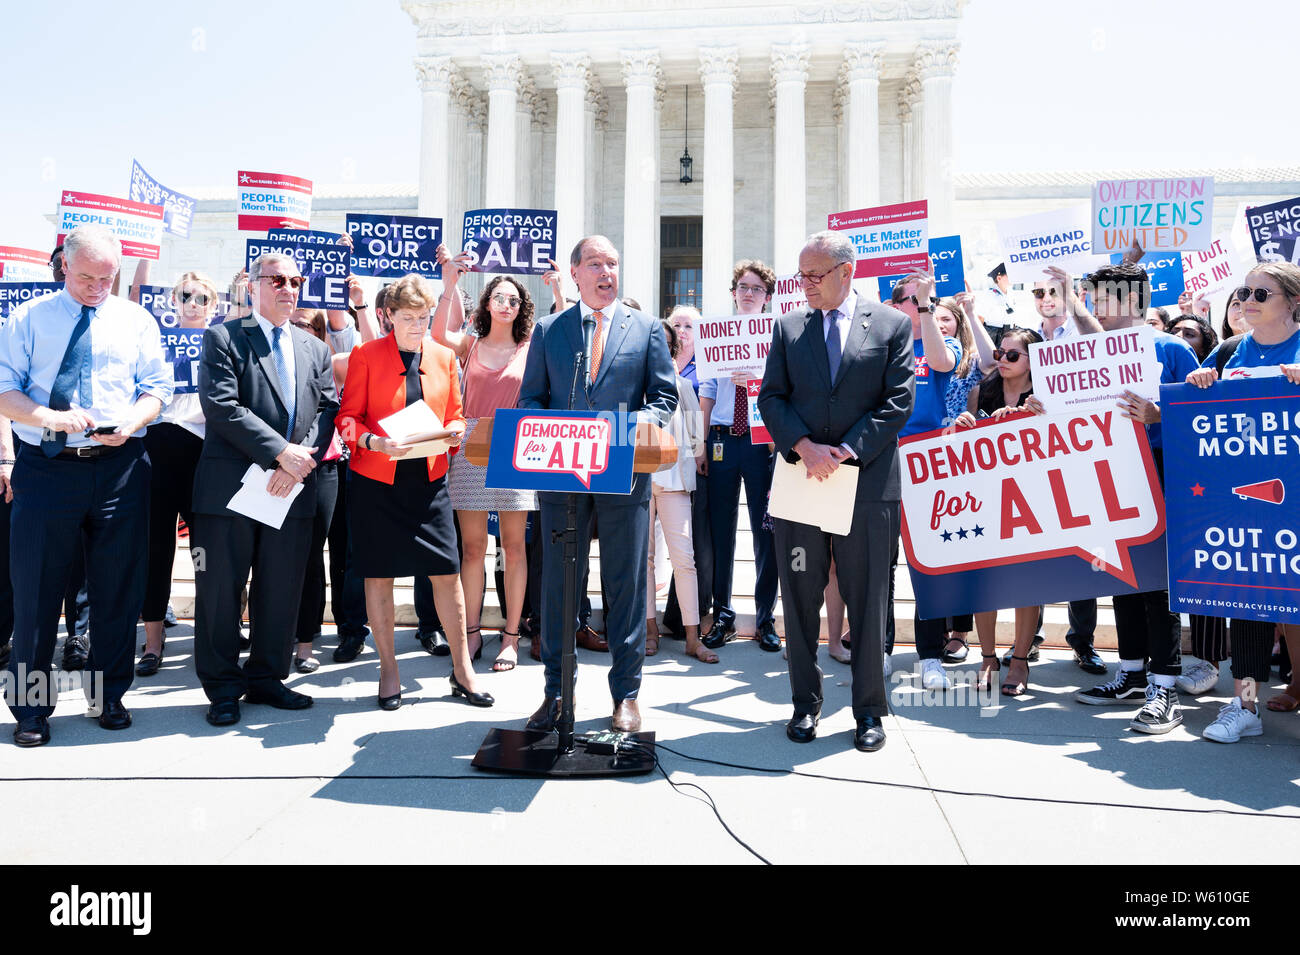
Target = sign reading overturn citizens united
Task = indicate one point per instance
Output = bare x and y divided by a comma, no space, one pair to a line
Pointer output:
272,200
1160,215
138,225
513,241
889,239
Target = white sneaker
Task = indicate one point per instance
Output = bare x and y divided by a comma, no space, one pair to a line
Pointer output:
933,677
1200,677
889,668
1234,722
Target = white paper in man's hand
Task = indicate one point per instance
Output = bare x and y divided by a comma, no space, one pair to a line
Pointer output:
826,504
255,501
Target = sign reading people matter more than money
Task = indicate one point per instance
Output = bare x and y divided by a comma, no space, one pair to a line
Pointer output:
726,344
510,241
1160,215
888,239
1165,270
1091,372
575,451
392,246
13,294
178,209
1233,499
1274,229
272,200
24,265
949,269
1210,271
137,225
1060,237
323,264
758,433
1029,508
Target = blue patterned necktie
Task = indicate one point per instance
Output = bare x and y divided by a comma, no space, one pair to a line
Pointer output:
286,387
833,344
73,376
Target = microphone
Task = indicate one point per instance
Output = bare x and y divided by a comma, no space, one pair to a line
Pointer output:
588,332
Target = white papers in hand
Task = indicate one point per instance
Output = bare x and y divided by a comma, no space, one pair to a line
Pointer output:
826,504
417,422
255,501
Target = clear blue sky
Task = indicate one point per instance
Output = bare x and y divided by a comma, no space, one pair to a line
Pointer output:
195,91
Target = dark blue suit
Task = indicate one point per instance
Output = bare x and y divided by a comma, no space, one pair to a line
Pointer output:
636,374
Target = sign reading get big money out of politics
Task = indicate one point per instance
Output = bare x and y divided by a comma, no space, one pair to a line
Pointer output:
138,225
393,246
272,200
890,240
511,241
24,265
1160,215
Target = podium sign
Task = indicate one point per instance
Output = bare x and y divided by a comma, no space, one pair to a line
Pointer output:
583,452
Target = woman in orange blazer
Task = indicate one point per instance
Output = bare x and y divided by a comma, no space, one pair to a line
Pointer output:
399,513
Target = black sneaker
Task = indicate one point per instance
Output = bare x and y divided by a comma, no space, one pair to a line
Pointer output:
1128,687
1161,713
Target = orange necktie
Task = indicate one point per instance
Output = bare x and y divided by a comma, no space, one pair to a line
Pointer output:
597,345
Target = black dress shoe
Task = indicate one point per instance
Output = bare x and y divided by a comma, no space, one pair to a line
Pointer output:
348,649
1031,656
149,664
279,696
547,715
115,716
869,735
391,702
721,633
767,638
1089,661
473,699
33,731
76,651
223,712
802,727
435,643
305,664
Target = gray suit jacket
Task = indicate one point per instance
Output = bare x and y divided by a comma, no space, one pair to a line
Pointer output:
864,408
247,416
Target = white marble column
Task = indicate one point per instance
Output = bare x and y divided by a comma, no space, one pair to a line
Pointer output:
572,72
718,166
458,161
908,114
640,175
524,146
789,167
501,72
861,75
434,74
935,63
595,124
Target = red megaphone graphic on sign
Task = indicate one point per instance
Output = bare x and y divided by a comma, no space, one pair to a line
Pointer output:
1271,491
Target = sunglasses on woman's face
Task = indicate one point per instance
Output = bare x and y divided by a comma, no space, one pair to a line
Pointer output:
1041,293
198,298
503,301
1244,293
1010,354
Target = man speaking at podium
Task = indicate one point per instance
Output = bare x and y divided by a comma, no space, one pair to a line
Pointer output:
630,373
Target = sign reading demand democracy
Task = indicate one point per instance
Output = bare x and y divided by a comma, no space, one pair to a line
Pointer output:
272,200
1274,229
1086,372
393,246
1233,501
1029,509
1060,237
1160,215
514,241
889,239
24,265
323,265
178,209
138,225
726,344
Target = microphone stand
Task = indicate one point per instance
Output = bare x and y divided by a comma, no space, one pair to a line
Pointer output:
569,646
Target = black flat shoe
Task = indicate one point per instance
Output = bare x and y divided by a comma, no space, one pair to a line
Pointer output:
148,665
473,699
391,702
435,643
955,656
348,649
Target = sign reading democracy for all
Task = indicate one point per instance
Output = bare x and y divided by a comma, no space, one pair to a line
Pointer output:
183,347
1091,372
513,241
1233,499
323,265
1031,508
888,239
727,344
272,200
1160,215
1165,269
1210,271
1274,229
949,269
1061,238
138,225
575,451
13,294
393,246
178,209
758,433
24,265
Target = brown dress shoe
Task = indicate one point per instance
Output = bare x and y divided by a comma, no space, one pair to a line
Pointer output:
589,639
547,715
535,647
627,718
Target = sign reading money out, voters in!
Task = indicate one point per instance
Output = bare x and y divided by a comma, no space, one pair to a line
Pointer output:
392,246
788,295
510,241
949,269
1091,372
272,200
1211,271
889,240
1159,215
322,261
726,344
178,209
137,225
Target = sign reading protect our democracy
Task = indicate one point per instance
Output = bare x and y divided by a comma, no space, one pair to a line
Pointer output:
889,239
157,301
1061,238
1031,508
272,200
1091,372
1232,497
511,241
727,344
13,294
393,246
183,347
1165,269
1160,215
1274,229
178,209
949,269
24,265
574,451
138,225
324,265
1210,271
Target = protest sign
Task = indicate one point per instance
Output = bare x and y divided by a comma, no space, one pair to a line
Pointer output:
323,265
157,301
1274,229
888,239
949,269
788,295
1031,509
183,347
1160,215
758,433
178,209
1060,237
576,451
137,224
13,294
1211,271
1233,501
726,344
24,265
272,200
1086,372
393,246
1165,269
511,241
